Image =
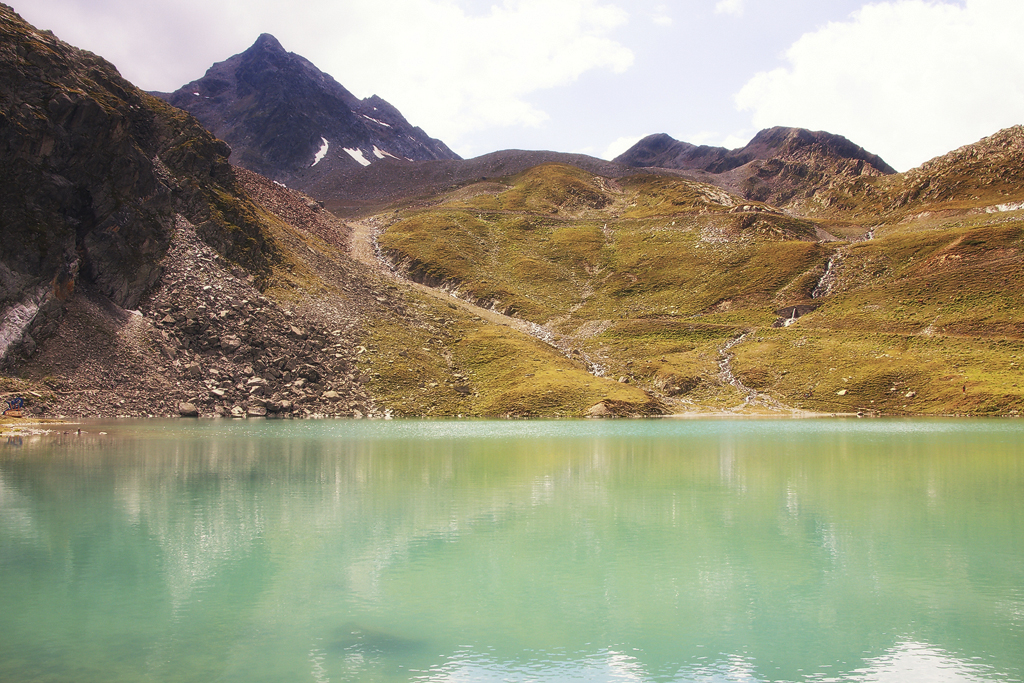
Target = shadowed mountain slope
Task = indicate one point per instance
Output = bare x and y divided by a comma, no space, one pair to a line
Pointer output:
281,115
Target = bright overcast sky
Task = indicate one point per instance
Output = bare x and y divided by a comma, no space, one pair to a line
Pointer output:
906,79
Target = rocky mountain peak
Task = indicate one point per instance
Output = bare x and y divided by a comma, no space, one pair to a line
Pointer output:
288,120
782,141
267,43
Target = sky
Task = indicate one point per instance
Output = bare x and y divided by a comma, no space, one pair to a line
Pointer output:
905,79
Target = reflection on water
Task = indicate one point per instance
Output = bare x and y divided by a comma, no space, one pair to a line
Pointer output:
492,551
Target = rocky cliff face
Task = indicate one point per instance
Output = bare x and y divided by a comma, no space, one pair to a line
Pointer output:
780,165
988,169
92,173
282,115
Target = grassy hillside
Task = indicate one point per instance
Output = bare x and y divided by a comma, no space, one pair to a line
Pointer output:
689,292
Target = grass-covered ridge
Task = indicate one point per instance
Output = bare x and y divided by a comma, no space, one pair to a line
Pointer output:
689,292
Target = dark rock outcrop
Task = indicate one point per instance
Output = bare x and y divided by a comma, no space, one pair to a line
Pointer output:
281,115
92,173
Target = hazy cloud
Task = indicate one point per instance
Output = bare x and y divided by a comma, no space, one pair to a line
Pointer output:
662,16
908,80
734,7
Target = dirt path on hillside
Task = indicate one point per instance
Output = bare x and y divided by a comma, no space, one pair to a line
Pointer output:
362,247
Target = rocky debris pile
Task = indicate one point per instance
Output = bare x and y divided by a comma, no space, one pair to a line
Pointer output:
239,353
205,342
294,208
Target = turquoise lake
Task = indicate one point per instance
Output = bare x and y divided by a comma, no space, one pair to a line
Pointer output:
463,551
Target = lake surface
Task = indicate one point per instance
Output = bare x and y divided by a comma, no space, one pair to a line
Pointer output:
710,550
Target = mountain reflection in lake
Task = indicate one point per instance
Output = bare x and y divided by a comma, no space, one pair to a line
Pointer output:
823,550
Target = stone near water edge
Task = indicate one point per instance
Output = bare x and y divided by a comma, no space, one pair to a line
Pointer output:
186,409
238,412
257,411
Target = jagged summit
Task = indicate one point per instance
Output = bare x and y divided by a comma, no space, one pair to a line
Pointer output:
282,115
778,165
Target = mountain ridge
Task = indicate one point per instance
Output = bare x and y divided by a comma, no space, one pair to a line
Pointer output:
779,165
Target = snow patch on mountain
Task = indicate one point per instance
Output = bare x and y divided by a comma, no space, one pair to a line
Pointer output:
357,154
321,153
380,154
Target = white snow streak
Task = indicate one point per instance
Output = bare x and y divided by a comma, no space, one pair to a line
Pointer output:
380,154
322,153
370,118
357,154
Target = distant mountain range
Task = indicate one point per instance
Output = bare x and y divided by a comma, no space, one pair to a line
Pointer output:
779,165
286,119
281,115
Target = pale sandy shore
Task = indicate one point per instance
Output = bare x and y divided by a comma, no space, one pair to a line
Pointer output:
12,427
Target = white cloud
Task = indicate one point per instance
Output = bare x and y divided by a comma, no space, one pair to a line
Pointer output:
619,146
448,69
733,140
733,7
908,80
661,16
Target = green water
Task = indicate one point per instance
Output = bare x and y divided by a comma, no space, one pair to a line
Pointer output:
824,550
